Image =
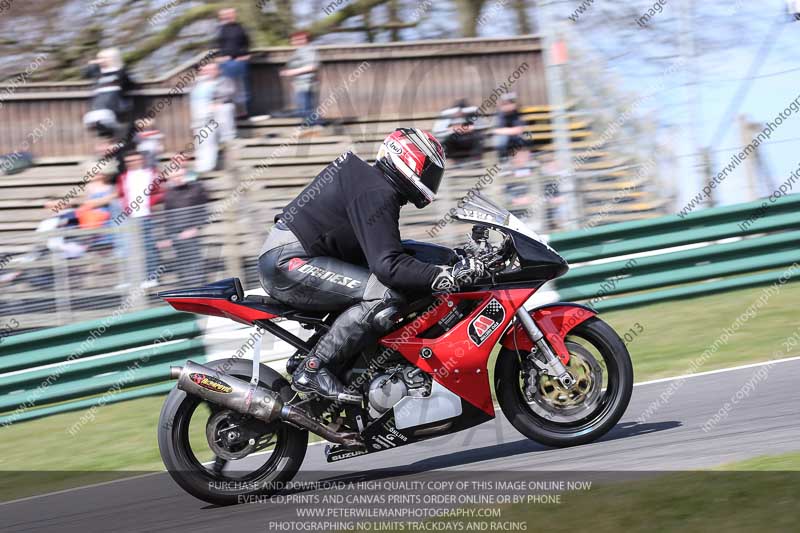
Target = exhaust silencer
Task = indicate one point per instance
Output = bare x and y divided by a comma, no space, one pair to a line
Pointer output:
240,396
228,391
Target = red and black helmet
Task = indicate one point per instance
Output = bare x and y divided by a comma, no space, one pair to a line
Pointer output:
413,160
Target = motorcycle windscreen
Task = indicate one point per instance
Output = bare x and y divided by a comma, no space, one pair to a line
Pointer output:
483,211
533,250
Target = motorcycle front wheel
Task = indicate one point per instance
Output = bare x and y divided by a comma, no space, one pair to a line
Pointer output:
225,458
544,411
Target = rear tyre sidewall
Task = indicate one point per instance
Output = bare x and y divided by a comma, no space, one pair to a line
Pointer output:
536,428
198,482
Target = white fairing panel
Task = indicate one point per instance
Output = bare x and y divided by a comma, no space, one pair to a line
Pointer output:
413,411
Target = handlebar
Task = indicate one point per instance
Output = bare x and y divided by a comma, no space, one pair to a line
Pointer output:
494,258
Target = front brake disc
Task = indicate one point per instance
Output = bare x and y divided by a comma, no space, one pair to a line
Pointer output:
549,399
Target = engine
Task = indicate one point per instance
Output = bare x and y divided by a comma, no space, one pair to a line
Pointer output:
393,384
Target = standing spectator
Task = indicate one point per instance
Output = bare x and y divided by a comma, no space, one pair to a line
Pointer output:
184,203
149,141
302,68
212,116
233,46
139,191
509,134
110,105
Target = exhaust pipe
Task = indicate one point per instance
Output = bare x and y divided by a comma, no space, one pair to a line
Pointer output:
242,397
228,391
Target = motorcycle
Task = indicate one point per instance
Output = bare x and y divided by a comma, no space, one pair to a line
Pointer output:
562,376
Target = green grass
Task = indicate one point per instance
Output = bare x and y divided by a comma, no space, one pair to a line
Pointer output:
123,436
677,333
789,462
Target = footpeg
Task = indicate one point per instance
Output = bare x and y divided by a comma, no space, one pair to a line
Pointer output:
345,397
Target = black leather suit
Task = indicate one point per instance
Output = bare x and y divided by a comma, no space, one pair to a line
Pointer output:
337,246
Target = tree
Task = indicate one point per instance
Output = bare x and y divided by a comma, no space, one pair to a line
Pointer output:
469,11
521,12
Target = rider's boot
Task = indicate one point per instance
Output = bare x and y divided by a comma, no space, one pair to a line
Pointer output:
349,334
312,377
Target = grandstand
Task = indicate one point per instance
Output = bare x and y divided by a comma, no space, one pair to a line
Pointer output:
273,159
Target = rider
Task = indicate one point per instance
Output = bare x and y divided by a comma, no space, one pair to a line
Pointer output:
337,246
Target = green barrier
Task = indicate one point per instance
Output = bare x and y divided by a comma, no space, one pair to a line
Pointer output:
605,249
641,282
144,392
141,367
692,291
765,240
685,258
119,357
567,242
85,339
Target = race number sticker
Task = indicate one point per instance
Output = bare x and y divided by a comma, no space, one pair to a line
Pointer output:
486,322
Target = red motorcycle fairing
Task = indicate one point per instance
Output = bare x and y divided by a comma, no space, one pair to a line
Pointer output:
458,358
556,321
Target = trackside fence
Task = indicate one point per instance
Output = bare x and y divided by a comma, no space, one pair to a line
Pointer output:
121,357
667,258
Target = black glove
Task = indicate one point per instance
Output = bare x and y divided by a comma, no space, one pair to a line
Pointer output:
468,270
465,272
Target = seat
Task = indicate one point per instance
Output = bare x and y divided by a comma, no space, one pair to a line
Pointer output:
231,289
268,303
271,305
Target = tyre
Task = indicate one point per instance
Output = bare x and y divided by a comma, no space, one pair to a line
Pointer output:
197,444
542,410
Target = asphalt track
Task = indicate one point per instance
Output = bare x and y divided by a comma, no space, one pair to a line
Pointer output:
762,420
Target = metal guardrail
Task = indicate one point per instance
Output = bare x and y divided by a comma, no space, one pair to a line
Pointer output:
92,363
126,356
668,258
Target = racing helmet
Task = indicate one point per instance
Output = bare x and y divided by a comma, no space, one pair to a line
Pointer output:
413,161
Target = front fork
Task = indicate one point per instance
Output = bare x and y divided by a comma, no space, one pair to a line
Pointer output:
552,366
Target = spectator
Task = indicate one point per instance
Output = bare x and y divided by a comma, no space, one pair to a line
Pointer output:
302,68
99,207
94,210
509,134
149,141
184,192
139,191
110,105
456,130
212,116
233,47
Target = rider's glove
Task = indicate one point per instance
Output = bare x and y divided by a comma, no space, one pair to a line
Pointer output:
465,272
444,281
468,270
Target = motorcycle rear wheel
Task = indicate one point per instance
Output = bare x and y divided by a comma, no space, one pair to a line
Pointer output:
206,483
562,425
